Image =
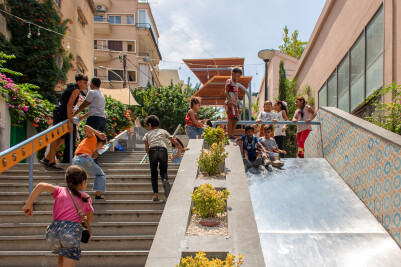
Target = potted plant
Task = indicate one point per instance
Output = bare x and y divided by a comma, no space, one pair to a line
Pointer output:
211,162
213,135
200,259
208,202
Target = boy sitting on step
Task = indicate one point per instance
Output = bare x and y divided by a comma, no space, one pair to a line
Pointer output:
252,156
85,154
269,148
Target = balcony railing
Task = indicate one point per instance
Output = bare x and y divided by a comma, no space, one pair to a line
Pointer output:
101,20
152,33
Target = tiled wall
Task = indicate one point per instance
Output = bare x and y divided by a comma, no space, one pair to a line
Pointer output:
370,165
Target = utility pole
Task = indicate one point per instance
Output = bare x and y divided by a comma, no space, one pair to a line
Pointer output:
124,70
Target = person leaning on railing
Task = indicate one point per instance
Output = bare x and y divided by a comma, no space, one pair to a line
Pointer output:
62,112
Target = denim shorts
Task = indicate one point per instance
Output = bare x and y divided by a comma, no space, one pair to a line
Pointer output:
65,238
177,160
193,131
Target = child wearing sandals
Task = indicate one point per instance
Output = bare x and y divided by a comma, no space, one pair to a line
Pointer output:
270,149
64,233
307,114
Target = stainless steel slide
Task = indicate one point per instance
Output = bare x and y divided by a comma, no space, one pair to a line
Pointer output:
308,216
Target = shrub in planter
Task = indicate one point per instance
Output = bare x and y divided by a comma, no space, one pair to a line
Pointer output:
214,135
200,260
210,160
208,202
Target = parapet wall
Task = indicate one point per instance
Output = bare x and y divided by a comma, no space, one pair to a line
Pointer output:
367,157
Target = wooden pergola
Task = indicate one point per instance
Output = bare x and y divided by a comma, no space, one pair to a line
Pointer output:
213,74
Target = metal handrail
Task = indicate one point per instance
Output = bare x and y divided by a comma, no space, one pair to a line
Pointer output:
174,134
27,148
269,122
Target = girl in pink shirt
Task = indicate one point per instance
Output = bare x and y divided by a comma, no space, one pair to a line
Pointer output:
65,232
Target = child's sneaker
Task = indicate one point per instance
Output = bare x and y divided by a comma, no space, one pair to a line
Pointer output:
44,162
247,163
267,162
257,162
277,164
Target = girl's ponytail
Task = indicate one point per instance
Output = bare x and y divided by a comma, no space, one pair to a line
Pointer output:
74,176
303,105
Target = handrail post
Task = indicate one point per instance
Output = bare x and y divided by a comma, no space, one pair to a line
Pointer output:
31,171
71,144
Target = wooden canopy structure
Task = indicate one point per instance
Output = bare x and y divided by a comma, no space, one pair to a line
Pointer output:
213,74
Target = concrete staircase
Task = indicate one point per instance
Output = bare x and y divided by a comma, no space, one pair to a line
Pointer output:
125,223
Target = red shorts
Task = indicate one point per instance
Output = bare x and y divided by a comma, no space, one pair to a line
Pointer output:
232,112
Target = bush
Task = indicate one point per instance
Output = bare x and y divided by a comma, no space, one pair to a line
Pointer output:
208,202
214,135
210,160
200,260
118,117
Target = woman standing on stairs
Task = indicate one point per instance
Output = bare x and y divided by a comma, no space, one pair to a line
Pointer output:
64,233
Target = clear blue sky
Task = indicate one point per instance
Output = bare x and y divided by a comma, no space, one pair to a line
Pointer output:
229,28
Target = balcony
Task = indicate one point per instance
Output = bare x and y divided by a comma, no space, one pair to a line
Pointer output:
102,55
145,36
3,26
102,26
106,3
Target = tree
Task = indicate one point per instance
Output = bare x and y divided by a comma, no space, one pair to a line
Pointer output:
39,53
292,46
282,88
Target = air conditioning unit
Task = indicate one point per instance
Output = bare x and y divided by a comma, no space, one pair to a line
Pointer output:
100,8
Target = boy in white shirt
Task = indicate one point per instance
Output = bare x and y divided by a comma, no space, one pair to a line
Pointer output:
266,115
270,149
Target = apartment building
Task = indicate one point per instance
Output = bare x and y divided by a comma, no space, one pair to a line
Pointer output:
3,23
354,49
126,37
81,31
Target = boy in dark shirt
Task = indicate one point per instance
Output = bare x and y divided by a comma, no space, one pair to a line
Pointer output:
252,156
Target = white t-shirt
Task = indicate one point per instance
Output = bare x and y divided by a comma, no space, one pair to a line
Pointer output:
157,137
278,128
266,116
97,103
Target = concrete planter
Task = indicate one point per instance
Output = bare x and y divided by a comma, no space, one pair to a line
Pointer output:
222,168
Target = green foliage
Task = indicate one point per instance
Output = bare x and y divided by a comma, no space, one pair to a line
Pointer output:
200,260
210,160
36,55
292,46
118,117
290,141
214,135
208,202
24,102
208,113
309,96
387,115
282,83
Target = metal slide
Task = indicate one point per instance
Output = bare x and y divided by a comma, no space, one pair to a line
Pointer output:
308,216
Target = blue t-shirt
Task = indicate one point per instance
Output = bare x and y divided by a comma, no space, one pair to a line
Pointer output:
249,146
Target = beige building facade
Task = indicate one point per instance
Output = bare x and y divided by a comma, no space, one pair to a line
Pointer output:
79,39
354,49
273,73
126,37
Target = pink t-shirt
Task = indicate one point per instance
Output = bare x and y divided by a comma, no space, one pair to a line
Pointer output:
64,208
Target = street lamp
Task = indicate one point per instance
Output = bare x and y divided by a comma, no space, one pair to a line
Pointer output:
266,55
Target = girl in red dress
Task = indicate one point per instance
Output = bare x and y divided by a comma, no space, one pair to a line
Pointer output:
231,103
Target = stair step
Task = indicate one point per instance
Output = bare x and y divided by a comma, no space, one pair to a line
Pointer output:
99,216
46,205
107,172
60,179
38,242
132,258
106,228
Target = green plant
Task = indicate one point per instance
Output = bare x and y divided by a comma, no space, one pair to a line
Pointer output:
118,117
200,260
214,135
292,46
290,141
208,202
40,55
210,160
387,114
282,85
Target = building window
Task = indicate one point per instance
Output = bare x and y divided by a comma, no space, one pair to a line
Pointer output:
130,20
343,84
131,46
132,76
323,96
99,18
81,17
332,90
115,45
374,53
95,72
58,3
115,19
112,76
357,72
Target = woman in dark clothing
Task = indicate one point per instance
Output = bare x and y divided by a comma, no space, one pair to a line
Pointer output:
62,112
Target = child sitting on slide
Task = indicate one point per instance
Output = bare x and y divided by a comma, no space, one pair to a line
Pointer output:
270,149
252,156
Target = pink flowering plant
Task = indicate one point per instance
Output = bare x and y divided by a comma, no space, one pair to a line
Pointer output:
24,102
